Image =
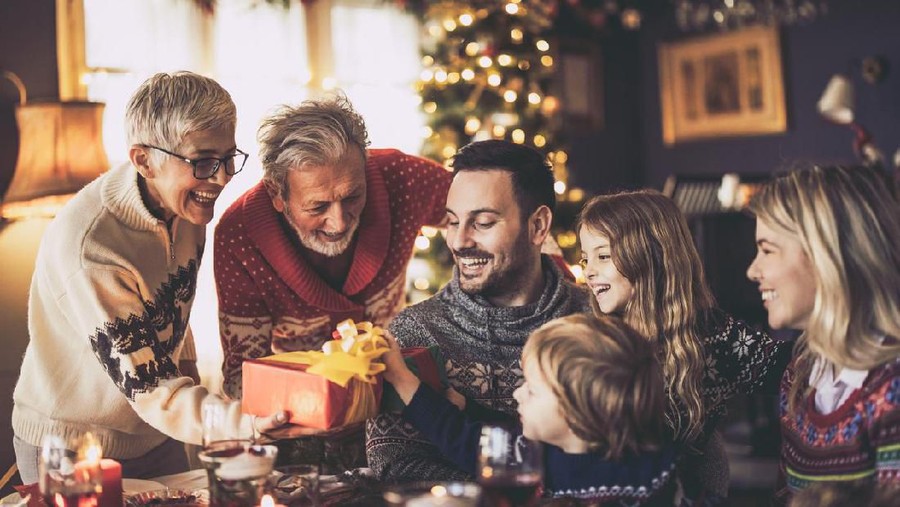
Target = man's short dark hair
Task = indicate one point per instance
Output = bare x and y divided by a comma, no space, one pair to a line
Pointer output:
532,175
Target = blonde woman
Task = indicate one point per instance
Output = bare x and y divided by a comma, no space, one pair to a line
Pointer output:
828,264
640,262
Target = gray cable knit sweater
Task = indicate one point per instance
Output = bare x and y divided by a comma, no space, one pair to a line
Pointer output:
482,345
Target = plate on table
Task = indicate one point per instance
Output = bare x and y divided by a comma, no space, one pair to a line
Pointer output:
134,486
180,497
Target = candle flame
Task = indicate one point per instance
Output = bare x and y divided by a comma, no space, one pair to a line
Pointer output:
59,501
90,449
267,501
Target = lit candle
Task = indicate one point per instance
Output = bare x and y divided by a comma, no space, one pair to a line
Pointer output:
93,469
87,469
268,501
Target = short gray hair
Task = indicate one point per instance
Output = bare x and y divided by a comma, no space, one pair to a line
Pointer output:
167,107
317,132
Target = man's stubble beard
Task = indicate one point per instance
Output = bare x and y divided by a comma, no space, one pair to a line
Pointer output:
500,284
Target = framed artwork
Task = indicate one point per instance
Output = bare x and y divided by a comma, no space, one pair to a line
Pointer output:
580,70
722,85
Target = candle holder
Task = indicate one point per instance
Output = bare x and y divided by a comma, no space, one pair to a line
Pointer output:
237,471
67,480
296,485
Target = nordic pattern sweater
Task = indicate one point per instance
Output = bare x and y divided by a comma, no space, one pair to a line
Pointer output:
482,346
108,322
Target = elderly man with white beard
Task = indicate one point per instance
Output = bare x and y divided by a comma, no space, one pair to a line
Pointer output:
326,236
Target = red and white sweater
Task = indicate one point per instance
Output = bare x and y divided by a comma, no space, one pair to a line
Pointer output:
267,291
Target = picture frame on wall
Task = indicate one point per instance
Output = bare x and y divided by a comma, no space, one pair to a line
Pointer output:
580,69
722,85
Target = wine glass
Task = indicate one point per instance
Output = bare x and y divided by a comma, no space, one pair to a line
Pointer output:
213,417
63,480
510,468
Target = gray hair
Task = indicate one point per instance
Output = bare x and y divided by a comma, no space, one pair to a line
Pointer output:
167,107
317,132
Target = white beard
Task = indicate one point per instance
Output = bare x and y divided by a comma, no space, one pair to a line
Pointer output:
327,248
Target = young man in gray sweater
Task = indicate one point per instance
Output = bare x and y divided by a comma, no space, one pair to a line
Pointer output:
499,211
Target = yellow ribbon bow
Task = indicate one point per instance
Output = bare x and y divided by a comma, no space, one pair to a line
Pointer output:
345,358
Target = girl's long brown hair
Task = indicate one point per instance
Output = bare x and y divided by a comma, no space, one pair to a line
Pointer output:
652,247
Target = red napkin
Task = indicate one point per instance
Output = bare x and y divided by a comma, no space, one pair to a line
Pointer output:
35,491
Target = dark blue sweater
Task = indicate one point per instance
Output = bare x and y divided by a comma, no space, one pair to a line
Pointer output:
646,479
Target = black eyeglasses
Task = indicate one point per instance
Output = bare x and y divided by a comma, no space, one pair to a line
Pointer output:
205,168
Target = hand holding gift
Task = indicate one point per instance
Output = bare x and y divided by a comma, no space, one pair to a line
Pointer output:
397,373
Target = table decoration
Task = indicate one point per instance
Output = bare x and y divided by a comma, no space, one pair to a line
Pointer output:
180,497
297,485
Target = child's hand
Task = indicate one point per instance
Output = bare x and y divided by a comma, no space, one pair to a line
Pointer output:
397,373
456,398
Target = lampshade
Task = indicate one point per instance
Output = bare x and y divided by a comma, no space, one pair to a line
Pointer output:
60,151
836,103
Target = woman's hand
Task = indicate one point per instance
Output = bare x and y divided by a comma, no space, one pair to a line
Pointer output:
266,424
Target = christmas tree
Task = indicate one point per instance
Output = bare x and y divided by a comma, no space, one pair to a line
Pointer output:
488,69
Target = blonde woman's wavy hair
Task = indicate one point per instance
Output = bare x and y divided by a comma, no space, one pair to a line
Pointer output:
607,380
848,224
652,247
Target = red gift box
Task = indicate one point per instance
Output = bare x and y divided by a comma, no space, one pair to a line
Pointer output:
313,401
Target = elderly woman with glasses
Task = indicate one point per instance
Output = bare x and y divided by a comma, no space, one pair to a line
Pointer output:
110,350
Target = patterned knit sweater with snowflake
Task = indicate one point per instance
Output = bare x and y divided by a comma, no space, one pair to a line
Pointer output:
108,322
267,291
860,440
482,345
739,360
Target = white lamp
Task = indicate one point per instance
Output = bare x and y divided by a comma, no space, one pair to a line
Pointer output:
836,104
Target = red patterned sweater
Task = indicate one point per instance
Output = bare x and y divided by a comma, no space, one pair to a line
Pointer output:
268,292
860,440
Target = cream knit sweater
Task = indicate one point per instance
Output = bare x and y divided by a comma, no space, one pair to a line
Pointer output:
108,322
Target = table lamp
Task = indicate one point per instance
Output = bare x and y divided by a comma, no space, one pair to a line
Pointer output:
60,151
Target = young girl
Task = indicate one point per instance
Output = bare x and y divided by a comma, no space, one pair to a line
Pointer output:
593,394
640,262
828,264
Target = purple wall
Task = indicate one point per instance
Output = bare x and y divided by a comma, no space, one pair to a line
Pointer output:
811,55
